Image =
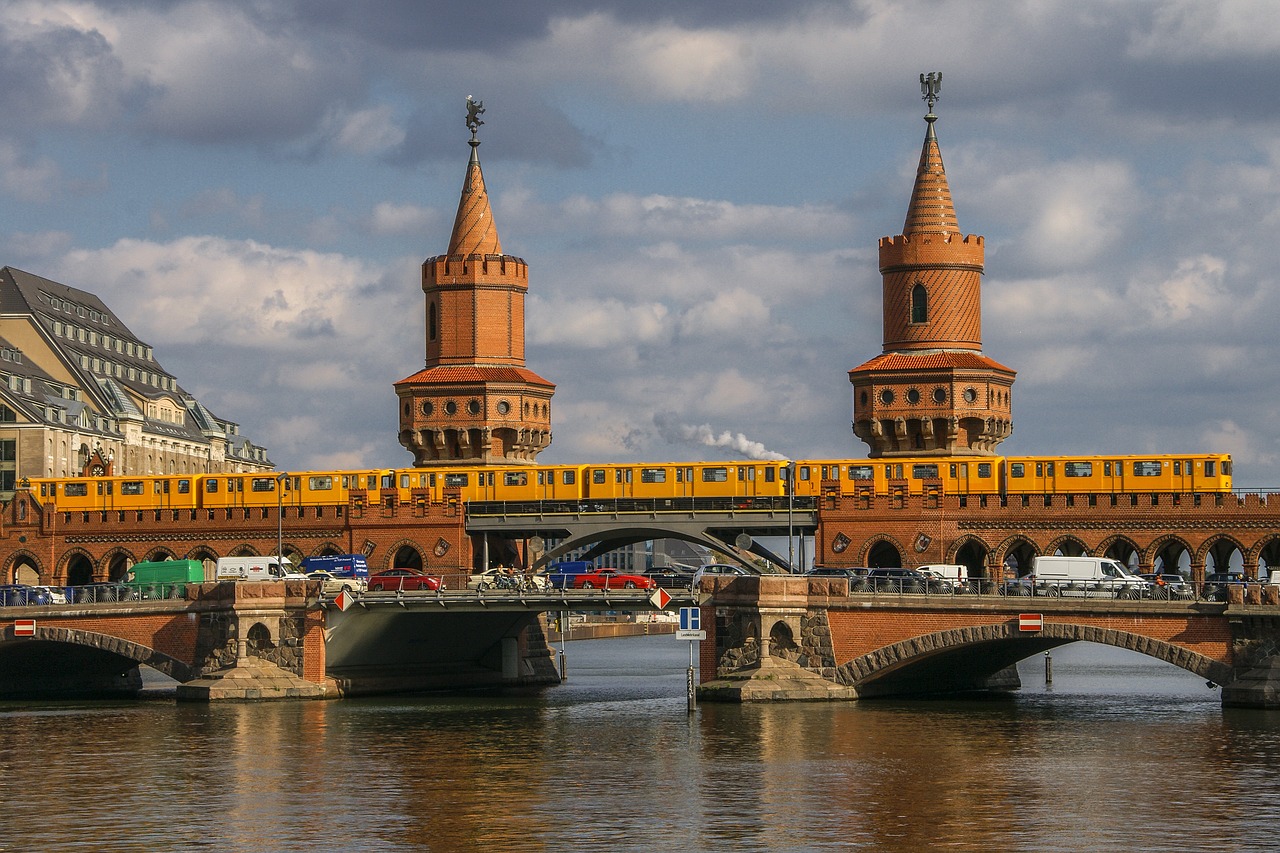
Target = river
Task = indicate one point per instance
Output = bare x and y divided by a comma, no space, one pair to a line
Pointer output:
1121,752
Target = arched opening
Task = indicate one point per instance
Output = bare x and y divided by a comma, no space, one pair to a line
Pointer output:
25,572
1172,556
1269,559
782,643
1069,547
117,566
1224,556
884,555
919,304
1124,552
407,557
973,556
1019,557
79,570
259,638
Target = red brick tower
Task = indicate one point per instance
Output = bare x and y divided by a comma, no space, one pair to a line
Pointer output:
475,401
932,391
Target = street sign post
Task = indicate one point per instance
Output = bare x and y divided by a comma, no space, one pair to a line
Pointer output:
691,630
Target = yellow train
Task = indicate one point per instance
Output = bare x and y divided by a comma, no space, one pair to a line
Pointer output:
735,484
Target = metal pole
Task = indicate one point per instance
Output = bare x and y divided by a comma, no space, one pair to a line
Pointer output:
691,687
791,536
280,481
1048,669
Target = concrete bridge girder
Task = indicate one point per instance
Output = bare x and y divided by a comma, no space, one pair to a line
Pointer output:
610,535
967,658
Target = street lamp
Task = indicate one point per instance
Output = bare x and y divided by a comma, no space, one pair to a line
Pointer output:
281,479
791,536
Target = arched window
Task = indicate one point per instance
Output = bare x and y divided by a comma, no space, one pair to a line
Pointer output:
919,304
431,322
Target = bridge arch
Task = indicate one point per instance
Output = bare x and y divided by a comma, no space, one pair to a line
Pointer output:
608,538
1016,553
1067,545
965,658
115,563
1169,550
1221,548
883,551
106,650
971,552
405,554
1123,550
23,567
79,567
159,555
1265,553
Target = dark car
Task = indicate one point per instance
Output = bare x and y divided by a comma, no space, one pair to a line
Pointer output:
902,580
1168,585
1216,585
668,577
853,573
405,579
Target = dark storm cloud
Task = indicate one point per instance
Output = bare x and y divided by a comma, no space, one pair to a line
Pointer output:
404,24
57,76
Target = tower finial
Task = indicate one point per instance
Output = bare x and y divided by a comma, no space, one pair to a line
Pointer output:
930,90
474,110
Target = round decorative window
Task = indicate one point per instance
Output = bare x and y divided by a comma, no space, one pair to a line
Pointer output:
427,408
913,395
886,396
939,395
450,408
503,407
473,406
970,395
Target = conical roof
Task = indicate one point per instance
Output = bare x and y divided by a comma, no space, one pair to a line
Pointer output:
931,210
474,232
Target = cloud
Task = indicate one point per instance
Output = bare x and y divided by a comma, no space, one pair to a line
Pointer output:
674,432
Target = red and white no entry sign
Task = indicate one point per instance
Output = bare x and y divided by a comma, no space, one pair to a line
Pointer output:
1030,621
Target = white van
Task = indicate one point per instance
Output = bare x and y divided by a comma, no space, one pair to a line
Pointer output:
957,576
1086,577
256,569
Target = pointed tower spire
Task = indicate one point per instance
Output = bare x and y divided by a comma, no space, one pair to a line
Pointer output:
473,230
932,391
475,402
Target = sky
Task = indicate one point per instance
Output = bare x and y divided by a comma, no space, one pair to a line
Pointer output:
698,189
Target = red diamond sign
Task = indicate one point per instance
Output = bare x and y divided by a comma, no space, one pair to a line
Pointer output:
343,600
660,598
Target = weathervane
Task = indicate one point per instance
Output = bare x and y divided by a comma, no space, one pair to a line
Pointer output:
474,110
931,87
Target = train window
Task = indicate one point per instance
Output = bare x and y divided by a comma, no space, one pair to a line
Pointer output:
263,484
184,487
515,478
1177,468
1106,469
388,481
984,469
895,471
597,476
1146,469
455,479
542,478
770,474
432,480
211,485
715,475
371,481
1226,468
319,483
860,472
404,481
1208,467
653,475
923,472
569,477
76,490
679,475
688,475
131,487
155,487
804,472
1017,469
1077,469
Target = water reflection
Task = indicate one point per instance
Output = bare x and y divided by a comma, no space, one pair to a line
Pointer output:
1120,752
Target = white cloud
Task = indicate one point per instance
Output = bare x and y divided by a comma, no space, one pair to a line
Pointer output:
27,179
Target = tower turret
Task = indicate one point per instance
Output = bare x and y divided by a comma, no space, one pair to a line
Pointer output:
475,401
931,391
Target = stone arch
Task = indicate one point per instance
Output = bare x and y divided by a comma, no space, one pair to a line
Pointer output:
260,638
1167,549
782,639
208,557
1220,548
406,554
1016,553
880,548
328,548
79,568
1069,544
971,552
244,549
1265,552
1123,550
135,652
116,562
159,555
982,639
23,567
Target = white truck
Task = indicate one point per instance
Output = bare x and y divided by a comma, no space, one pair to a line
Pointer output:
1086,577
256,569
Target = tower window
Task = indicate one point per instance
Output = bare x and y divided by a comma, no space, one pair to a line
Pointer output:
431,322
919,304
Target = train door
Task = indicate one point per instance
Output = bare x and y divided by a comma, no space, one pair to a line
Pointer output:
957,478
682,487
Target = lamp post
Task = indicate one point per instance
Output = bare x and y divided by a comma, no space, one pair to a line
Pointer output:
281,479
791,536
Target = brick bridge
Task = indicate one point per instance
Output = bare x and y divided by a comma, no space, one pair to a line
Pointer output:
778,638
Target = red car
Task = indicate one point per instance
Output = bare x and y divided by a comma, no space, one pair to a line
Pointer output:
612,579
406,579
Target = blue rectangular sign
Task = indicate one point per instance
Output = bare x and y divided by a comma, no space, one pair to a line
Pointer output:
690,618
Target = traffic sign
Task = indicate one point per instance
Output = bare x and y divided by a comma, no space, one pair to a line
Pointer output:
660,598
24,628
691,635
690,618
1030,621
344,600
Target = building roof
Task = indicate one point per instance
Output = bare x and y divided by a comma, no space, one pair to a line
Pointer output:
474,231
455,374
931,210
936,360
